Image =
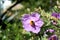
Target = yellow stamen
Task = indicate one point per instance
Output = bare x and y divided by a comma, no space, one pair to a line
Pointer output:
32,23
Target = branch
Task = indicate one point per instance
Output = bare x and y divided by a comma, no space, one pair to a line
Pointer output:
17,2
1,22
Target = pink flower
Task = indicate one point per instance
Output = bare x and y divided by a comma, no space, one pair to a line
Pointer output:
53,37
49,30
57,15
32,22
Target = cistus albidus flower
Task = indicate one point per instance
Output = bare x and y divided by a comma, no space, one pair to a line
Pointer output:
53,37
49,32
32,22
55,17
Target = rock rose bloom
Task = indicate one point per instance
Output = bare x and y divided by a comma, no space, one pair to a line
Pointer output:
50,30
57,15
53,37
32,22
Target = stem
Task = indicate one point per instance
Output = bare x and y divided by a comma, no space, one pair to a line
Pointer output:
17,2
40,36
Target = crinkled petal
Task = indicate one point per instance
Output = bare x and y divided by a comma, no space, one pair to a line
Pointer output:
51,30
39,23
35,14
26,21
58,16
37,30
55,14
33,19
25,17
27,27
54,37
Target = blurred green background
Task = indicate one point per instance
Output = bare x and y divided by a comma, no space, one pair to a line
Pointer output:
13,29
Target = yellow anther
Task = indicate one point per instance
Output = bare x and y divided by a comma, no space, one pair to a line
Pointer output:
32,23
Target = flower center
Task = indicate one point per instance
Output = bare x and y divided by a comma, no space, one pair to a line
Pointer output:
32,23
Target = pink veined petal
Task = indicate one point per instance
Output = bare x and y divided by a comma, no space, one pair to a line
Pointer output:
53,36
25,17
27,27
58,16
26,22
51,30
55,14
39,23
35,14
37,30
34,18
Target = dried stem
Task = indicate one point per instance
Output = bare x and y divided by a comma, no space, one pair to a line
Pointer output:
17,2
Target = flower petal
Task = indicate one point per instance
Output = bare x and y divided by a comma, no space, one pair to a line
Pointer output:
37,30
55,14
26,22
58,16
25,17
33,19
39,23
53,37
27,27
35,14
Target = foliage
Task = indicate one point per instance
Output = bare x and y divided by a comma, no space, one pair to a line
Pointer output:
14,29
